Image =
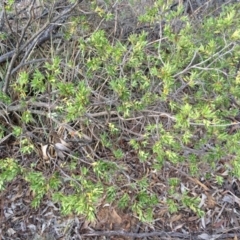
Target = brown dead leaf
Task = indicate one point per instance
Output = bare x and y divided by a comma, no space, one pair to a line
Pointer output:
194,218
103,218
115,219
161,212
108,218
126,224
210,201
219,224
178,227
175,218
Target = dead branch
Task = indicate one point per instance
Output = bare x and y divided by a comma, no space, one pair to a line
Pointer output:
41,35
15,56
163,235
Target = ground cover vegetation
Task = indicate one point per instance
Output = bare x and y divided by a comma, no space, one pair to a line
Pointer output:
116,115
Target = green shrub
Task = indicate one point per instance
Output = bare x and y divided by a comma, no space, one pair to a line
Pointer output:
144,103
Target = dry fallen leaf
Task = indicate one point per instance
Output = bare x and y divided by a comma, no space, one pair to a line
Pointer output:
178,227
62,147
203,200
108,219
175,218
44,152
102,219
115,219
210,201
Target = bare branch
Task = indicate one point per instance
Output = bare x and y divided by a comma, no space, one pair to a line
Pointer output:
8,74
42,34
162,234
